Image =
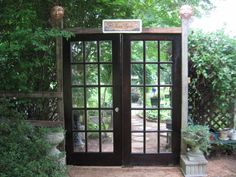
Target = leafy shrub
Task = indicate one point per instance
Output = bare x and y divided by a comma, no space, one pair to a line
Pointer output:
213,74
197,136
23,150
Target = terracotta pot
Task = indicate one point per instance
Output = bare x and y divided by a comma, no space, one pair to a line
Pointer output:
224,134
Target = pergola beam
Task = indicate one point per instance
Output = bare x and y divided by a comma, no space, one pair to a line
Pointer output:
32,95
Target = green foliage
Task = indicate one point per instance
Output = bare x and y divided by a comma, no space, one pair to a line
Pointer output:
196,136
27,48
152,115
53,129
27,39
212,72
165,12
23,149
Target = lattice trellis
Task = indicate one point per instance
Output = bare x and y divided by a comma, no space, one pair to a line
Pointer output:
219,120
215,119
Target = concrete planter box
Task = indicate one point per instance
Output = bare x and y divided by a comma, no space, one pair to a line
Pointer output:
196,168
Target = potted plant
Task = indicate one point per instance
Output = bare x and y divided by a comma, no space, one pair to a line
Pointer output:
196,138
154,98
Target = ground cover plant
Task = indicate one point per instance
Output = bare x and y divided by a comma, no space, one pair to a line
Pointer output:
23,149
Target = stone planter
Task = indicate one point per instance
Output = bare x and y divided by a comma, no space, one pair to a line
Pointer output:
196,168
55,138
233,135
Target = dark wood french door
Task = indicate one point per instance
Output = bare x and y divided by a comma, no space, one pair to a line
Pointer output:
151,99
122,99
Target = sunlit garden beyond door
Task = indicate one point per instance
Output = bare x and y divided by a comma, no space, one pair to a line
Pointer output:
151,86
92,73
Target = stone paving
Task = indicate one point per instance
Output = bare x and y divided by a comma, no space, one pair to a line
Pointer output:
76,171
219,166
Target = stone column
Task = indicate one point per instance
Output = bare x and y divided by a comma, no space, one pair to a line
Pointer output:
57,14
197,167
185,14
234,113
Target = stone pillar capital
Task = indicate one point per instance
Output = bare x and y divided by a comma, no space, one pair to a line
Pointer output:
186,12
57,13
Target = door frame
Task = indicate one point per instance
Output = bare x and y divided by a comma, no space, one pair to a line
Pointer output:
125,158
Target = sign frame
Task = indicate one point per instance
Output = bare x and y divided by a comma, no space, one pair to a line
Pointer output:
122,26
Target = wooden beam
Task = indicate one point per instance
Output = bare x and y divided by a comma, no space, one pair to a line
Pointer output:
45,123
32,95
174,30
59,73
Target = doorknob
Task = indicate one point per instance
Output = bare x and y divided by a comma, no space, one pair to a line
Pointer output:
117,109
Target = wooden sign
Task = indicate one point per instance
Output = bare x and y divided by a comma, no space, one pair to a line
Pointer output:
122,26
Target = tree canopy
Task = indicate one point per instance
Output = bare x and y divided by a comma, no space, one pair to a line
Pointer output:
27,47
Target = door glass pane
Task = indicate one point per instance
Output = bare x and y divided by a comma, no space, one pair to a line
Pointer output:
79,141
137,120
151,142
151,74
136,50
105,51
152,97
106,97
151,120
107,142
93,141
165,74
105,74
151,51
91,51
77,74
136,74
136,97
165,50
107,120
76,49
92,120
77,97
91,74
165,142
137,143
92,97
78,118
166,120
165,96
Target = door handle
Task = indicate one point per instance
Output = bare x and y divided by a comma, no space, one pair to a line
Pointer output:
117,109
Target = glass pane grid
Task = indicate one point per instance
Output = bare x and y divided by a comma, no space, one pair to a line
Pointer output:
92,126
151,87
76,49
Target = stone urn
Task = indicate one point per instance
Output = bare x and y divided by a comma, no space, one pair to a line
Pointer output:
195,154
54,139
54,135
